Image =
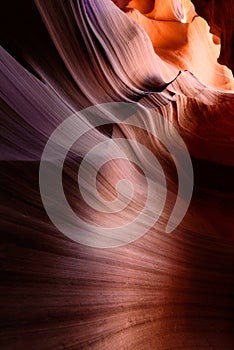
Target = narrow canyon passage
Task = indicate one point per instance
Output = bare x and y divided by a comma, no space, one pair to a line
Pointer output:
168,66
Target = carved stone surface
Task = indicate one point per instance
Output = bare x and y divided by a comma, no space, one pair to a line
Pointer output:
162,291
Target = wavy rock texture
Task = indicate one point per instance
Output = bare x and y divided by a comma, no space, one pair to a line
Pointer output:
161,291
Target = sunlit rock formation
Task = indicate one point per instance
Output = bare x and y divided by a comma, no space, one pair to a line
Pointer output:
175,59
219,16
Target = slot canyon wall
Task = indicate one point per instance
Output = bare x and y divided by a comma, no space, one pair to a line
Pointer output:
169,63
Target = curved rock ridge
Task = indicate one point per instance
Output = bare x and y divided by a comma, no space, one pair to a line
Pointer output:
151,62
185,41
219,16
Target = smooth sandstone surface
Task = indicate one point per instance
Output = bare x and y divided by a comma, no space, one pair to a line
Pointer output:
162,291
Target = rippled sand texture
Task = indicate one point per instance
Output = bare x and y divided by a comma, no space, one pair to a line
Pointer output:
162,291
